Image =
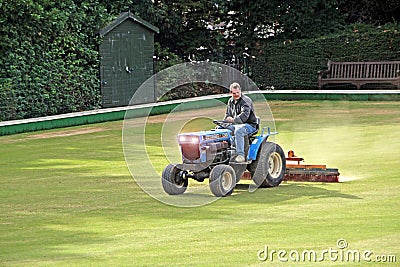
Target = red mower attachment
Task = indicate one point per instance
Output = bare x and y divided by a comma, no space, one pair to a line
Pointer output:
298,172
295,171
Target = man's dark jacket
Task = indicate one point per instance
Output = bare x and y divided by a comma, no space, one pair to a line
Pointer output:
242,111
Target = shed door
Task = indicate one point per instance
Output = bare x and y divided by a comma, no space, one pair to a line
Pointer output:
123,68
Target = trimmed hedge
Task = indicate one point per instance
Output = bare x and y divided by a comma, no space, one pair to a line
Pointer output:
50,61
49,58
294,64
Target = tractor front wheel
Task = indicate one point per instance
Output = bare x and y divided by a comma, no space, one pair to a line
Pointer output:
222,180
172,182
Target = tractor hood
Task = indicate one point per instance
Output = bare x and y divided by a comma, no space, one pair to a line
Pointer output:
204,137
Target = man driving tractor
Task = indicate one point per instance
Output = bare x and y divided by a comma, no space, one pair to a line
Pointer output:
222,155
240,112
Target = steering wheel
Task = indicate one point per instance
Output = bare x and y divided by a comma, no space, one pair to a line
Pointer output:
222,123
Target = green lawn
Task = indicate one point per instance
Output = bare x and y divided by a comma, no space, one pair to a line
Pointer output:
68,199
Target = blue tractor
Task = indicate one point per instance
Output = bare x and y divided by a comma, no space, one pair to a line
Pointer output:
208,154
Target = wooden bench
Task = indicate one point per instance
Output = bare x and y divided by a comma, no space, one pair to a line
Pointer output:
360,73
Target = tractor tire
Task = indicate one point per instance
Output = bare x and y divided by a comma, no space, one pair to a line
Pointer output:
171,181
222,180
268,170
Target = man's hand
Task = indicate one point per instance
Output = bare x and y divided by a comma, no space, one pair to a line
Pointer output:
229,119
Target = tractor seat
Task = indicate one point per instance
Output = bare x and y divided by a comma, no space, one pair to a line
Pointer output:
257,128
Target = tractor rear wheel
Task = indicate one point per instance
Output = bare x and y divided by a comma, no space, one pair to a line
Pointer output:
172,181
268,170
222,180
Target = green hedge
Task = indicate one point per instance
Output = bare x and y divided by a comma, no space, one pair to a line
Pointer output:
50,61
294,64
49,54
49,58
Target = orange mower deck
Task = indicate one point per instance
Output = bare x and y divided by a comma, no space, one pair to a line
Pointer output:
295,171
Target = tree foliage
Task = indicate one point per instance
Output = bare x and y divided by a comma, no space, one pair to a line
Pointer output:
49,49
49,56
294,65
376,12
288,19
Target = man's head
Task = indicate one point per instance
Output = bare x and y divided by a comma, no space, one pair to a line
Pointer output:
235,91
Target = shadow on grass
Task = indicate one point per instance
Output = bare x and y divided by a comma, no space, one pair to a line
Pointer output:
289,191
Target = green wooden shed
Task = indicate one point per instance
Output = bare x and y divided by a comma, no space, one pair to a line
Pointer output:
126,60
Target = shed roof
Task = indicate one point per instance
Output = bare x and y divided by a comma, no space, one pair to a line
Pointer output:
124,16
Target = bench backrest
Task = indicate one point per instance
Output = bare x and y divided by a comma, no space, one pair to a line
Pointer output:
362,70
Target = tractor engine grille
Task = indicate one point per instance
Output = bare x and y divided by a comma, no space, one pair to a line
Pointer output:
190,151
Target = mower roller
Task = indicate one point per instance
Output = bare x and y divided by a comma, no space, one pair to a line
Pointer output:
308,173
298,172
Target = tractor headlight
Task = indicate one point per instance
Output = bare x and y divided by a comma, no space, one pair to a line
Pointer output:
188,139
